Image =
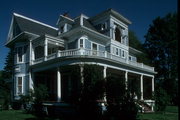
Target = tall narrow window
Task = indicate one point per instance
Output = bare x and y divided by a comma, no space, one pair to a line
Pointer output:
19,54
19,85
81,43
94,47
120,52
117,51
123,54
117,35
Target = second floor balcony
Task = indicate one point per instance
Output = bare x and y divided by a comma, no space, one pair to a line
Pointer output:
82,52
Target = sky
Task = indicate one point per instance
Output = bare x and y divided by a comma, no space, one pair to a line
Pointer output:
140,12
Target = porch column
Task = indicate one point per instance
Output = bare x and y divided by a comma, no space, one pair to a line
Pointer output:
126,80
153,84
30,52
104,72
45,49
31,79
82,74
58,85
141,84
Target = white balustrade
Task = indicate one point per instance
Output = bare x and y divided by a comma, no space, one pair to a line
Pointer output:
88,52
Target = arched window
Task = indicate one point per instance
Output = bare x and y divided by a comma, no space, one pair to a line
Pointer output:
117,34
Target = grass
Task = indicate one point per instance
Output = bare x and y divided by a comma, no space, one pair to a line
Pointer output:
15,115
171,113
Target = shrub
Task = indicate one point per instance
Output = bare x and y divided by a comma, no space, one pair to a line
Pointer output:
93,90
16,105
161,99
121,104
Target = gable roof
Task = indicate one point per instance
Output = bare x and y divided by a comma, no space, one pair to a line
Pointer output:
33,26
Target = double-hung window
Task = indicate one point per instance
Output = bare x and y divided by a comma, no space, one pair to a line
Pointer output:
19,85
81,43
94,47
123,54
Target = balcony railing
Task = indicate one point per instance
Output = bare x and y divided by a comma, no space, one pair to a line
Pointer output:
91,53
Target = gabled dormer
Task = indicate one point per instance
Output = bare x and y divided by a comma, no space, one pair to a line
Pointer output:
64,23
112,24
22,28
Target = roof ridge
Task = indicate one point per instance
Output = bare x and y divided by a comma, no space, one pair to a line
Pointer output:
30,19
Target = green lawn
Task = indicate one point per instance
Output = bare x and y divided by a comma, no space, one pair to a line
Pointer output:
15,115
171,113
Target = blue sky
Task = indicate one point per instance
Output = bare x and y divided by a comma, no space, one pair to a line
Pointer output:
139,12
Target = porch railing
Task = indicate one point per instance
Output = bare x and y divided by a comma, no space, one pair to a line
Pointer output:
92,53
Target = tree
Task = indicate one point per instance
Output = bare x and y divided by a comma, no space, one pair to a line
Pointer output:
161,46
121,103
134,42
6,80
92,91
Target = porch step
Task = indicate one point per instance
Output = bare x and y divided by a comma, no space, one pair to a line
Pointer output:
146,108
60,109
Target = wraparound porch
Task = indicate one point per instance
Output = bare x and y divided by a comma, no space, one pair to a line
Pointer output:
63,86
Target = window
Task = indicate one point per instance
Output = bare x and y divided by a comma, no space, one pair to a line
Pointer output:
19,54
81,43
94,47
123,54
116,51
120,52
19,85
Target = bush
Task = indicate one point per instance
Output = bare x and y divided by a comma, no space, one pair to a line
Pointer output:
93,90
161,99
121,104
16,105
